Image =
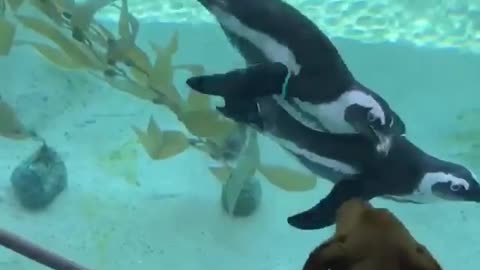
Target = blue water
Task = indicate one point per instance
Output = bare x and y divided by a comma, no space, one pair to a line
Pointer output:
173,218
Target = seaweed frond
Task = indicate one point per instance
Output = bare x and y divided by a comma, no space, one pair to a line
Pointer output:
72,39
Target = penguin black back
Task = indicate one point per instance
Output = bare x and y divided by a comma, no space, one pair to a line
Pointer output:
291,30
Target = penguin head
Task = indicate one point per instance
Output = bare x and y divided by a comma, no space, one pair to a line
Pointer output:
454,183
371,116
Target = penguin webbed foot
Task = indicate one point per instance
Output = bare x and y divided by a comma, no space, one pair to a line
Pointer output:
255,81
324,212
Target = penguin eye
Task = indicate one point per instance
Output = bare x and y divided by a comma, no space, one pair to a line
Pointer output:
455,187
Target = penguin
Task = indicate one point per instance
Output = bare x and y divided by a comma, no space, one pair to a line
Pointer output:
301,69
408,174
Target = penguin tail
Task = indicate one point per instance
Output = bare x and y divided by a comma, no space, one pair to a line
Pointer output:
247,83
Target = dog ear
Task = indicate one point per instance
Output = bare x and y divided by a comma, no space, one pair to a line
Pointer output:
418,258
328,255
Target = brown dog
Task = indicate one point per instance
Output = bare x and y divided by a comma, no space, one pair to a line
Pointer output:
368,238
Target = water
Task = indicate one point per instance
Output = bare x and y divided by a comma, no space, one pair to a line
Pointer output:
123,210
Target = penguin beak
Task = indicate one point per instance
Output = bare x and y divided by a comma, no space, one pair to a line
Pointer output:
380,135
381,139
384,142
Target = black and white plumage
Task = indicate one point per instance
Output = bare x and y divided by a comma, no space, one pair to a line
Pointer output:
349,161
284,50
314,85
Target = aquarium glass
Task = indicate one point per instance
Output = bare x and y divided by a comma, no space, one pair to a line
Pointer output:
109,159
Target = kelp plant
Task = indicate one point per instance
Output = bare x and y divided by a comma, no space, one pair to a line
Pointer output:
81,43
10,125
7,30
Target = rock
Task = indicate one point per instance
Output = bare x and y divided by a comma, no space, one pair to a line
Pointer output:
248,201
228,148
39,179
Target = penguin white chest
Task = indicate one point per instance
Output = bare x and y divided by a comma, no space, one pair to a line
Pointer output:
329,115
334,165
422,193
322,117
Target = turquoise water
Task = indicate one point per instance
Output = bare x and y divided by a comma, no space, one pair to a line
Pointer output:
122,210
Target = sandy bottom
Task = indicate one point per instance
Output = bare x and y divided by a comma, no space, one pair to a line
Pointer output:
172,218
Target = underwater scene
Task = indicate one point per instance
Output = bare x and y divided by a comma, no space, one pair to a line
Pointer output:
239,134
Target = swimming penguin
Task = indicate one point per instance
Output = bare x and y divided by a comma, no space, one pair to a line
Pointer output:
407,174
300,67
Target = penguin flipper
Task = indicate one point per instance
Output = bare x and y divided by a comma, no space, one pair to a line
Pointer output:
244,111
259,80
323,213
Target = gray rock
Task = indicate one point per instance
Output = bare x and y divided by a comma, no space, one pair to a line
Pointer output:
39,179
248,201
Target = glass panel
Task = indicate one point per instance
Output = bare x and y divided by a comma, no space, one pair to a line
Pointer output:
111,156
